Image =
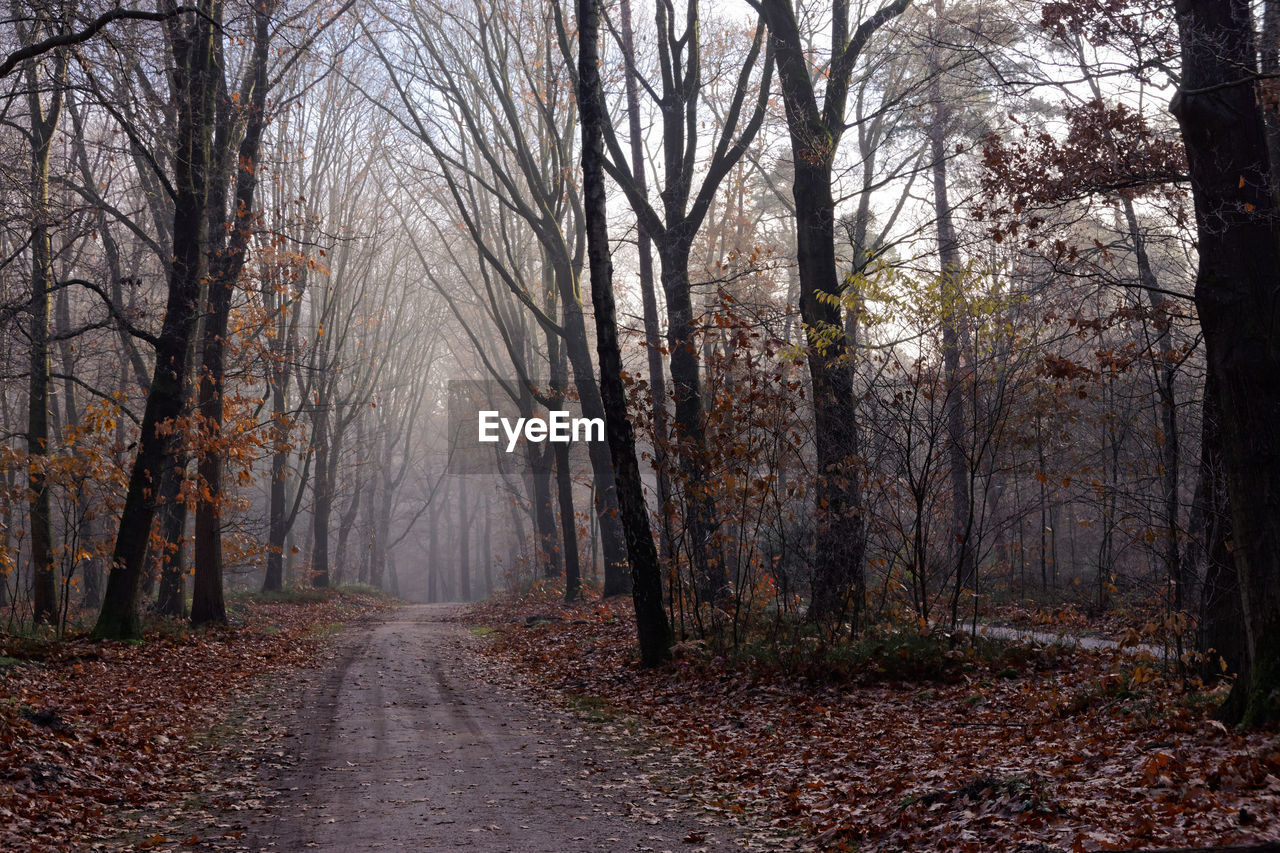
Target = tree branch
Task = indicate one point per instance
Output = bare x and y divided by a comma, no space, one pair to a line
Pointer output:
114,310
67,39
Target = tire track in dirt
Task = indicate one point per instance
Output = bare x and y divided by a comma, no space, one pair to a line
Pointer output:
410,742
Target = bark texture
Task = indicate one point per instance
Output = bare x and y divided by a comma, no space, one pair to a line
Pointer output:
652,627
195,79
1236,291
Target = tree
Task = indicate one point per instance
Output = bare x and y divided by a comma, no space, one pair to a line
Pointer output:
229,246
838,574
44,118
644,250
504,148
1238,230
951,279
284,274
499,294
652,627
191,40
673,226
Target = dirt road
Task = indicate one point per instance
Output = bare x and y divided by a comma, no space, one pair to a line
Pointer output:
412,742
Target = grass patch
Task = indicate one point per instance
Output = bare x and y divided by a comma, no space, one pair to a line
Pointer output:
288,595
481,630
300,594
887,653
363,589
593,709
324,629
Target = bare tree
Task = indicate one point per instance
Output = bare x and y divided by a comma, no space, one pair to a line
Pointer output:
191,42
516,145
651,620
674,224
838,581
41,73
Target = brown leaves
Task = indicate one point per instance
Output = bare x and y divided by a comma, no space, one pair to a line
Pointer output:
1107,149
1145,25
1068,751
90,731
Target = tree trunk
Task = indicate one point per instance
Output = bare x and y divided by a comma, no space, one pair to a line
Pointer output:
652,628
1269,62
1220,609
838,584
564,474
487,545
192,48
378,556
277,523
7,480
951,295
171,598
44,583
1166,390
322,495
690,418
1239,245
568,524
347,523
433,554
226,264
648,296
616,579
544,521
464,543
92,573
283,347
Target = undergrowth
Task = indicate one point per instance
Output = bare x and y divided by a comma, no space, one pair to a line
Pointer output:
887,652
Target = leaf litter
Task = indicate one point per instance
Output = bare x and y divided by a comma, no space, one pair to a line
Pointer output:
118,745
1072,750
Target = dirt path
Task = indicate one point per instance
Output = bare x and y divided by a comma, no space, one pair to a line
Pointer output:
411,742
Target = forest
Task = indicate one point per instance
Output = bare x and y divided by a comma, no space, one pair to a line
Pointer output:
928,488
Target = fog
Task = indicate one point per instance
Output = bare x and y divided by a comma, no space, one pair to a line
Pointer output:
247,260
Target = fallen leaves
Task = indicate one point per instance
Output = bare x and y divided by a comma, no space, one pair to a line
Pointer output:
97,738
1063,754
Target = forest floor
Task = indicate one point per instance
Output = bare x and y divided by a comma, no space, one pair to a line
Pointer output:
344,722
152,744
908,744
338,722
412,740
